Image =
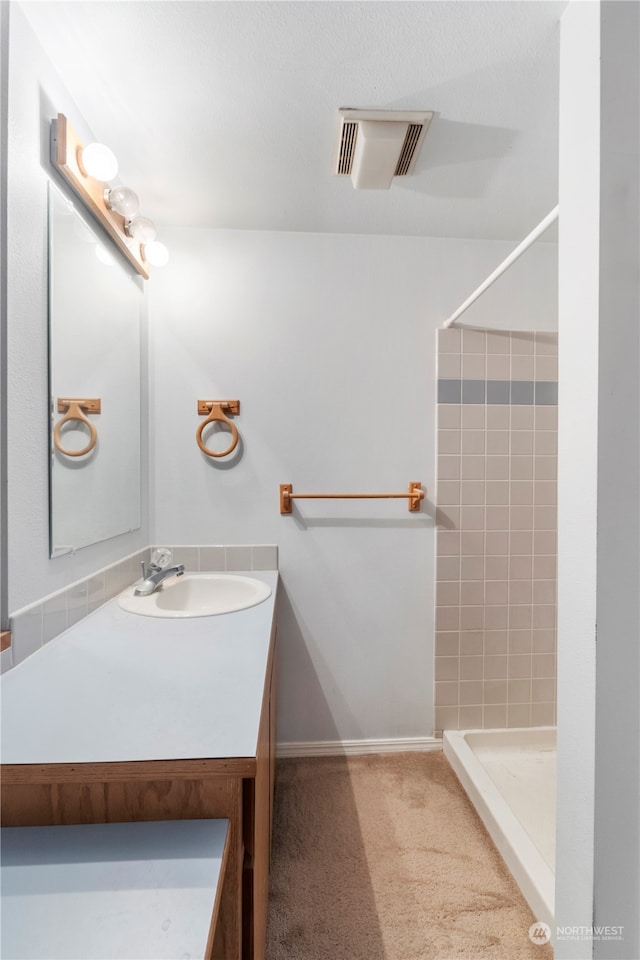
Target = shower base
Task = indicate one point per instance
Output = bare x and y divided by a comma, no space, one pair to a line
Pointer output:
510,777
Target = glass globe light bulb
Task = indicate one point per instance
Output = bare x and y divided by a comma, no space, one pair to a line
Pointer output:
122,200
98,162
156,253
142,229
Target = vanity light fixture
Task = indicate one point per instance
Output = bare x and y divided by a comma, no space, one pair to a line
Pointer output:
141,228
122,200
144,230
155,253
87,170
98,161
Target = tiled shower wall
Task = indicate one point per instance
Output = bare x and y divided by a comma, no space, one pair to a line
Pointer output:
496,529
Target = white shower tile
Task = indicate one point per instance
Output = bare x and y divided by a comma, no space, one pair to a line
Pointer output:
447,668
449,366
519,715
447,643
474,341
474,366
546,368
522,343
448,441
448,416
547,344
446,693
447,593
543,714
449,341
495,716
498,367
499,342
522,367
446,719
470,718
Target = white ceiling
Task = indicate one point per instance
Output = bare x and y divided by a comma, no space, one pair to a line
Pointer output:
224,114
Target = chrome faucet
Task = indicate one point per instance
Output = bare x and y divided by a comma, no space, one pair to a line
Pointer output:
153,575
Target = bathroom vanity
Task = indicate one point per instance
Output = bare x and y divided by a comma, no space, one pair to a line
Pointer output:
135,718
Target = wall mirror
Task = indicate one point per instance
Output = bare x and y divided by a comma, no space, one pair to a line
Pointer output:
95,305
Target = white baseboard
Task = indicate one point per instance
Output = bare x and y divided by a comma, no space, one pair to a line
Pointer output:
352,748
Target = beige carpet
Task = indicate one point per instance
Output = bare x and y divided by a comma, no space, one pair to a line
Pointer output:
384,858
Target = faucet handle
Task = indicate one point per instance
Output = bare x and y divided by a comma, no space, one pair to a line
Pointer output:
161,557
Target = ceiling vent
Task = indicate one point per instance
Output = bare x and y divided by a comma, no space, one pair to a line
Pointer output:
374,146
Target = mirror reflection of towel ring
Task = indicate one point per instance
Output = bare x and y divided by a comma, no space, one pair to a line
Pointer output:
74,411
215,410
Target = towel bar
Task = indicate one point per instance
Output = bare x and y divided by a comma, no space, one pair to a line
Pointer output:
414,496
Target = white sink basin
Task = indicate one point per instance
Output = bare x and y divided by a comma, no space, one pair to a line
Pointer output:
197,595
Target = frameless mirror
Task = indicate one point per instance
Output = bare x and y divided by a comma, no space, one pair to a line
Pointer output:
95,302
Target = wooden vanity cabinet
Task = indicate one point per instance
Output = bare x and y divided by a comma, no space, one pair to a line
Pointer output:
239,789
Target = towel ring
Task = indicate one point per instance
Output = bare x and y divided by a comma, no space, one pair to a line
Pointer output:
74,411
215,410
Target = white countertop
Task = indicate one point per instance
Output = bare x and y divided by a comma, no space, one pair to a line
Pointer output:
119,687
99,891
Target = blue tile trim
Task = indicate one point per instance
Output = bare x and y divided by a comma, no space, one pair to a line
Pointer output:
498,391
547,393
474,391
516,392
522,392
449,391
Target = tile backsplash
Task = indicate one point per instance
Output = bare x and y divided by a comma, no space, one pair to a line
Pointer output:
40,622
496,529
257,556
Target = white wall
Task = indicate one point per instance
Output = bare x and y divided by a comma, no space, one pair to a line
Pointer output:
4,125
598,849
577,465
328,342
36,95
617,798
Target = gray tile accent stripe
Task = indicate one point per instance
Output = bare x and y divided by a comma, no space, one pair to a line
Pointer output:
547,393
522,392
474,391
516,392
498,391
449,391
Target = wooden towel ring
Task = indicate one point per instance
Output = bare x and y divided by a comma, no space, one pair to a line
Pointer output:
215,410
74,411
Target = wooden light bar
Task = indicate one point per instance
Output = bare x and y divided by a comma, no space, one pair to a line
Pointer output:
66,149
